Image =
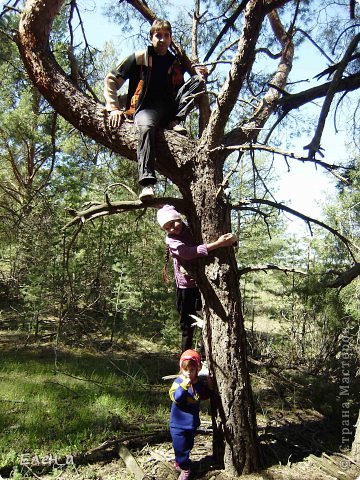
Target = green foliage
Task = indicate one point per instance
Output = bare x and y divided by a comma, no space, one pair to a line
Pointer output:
296,318
46,168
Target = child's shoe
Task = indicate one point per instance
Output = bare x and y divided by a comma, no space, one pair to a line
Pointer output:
176,466
184,475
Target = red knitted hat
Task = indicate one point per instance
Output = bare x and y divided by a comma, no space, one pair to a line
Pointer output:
191,355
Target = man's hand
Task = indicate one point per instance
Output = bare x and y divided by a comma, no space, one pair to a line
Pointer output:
115,118
202,71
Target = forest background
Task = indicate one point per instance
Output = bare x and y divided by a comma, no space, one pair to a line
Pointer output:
101,289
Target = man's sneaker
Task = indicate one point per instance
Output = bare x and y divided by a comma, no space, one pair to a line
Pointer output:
179,129
184,475
147,193
176,127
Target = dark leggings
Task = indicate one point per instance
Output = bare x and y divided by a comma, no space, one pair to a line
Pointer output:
188,301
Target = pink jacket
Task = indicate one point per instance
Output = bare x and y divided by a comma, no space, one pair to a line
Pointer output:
184,251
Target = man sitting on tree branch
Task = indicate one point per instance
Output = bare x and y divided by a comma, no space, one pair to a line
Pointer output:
157,97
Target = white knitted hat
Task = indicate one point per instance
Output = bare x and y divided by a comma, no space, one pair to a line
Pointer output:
166,214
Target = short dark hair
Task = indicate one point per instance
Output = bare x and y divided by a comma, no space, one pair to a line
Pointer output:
159,23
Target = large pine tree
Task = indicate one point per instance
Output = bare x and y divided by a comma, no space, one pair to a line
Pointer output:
248,30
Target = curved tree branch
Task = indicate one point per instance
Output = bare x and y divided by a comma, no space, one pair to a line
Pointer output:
314,145
265,268
88,116
97,210
308,220
251,129
345,278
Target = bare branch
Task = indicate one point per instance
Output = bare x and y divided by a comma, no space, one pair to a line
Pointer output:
203,102
194,32
267,105
10,8
316,45
218,60
250,147
256,174
314,145
352,4
241,64
292,101
144,9
346,277
265,268
229,23
332,68
308,220
110,208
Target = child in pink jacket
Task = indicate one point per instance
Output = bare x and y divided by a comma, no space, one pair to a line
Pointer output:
184,251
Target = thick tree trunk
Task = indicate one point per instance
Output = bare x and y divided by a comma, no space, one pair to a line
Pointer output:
355,450
225,340
235,434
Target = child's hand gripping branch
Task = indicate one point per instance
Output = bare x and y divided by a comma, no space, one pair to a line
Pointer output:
225,240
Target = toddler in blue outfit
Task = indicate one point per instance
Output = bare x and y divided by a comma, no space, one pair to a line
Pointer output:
186,392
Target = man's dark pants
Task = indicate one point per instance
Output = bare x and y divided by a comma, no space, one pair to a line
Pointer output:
160,115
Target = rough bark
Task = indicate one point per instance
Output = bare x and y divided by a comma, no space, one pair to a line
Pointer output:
355,449
234,420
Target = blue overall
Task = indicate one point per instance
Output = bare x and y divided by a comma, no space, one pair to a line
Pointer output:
184,417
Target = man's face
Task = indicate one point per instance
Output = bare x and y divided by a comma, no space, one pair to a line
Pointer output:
161,40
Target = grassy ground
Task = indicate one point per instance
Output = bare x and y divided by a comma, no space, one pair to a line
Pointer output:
66,402
60,402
